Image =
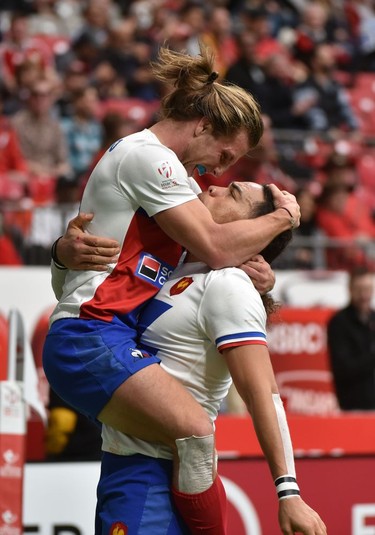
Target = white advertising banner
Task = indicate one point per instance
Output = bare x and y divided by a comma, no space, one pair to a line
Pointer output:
60,498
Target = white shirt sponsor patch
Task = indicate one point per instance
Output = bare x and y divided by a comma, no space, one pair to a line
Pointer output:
166,172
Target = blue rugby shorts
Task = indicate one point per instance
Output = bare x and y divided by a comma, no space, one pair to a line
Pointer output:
85,361
134,497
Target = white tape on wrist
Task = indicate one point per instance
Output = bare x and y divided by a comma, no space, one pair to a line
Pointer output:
285,435
286,487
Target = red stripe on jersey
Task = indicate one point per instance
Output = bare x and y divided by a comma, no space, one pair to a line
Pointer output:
123,291
242,343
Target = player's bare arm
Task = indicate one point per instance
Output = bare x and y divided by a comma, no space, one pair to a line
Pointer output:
253,376
225,244
191,225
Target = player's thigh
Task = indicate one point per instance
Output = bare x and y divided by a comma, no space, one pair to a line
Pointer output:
154,406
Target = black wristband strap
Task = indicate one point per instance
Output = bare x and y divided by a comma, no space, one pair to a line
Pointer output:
54,256
286,487
292,219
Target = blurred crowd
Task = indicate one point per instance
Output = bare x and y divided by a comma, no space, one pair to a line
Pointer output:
75,77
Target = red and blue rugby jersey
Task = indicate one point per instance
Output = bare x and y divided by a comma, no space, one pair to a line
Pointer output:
137,178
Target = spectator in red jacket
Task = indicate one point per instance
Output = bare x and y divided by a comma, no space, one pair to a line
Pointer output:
18,46
13,167
342,217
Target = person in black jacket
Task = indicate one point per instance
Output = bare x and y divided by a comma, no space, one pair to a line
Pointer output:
320,101
351,345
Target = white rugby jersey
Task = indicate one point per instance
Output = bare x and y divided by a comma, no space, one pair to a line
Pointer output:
136,178
198,313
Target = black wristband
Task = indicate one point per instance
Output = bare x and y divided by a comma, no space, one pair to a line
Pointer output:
286,487
292,219
54,256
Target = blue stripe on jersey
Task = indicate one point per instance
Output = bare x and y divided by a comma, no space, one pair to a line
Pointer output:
151,313
247,335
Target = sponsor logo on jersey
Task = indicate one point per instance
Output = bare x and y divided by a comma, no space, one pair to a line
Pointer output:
118,528
153,270
168,184
166,172
181,285
149,268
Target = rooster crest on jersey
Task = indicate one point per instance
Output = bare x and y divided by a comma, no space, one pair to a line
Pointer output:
118,528
181,285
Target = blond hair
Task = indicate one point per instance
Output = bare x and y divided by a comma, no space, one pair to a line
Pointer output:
195,93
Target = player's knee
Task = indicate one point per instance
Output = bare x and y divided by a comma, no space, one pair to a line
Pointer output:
193,425
201,427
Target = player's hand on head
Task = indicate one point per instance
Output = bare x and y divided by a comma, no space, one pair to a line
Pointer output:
79,250
295,516
284,199
260,273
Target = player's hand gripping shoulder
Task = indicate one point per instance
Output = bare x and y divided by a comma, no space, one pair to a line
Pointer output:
79,250
260,273
286,203
295,516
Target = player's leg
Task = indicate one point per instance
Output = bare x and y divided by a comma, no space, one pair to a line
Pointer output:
155,407
97,368
134,496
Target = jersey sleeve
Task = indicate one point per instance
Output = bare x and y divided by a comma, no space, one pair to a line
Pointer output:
155,179
231,312
57,279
